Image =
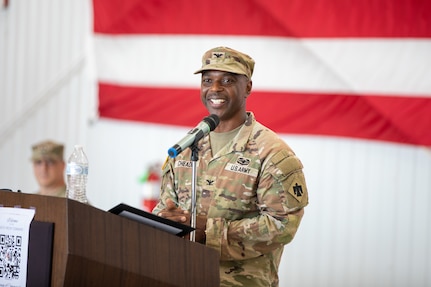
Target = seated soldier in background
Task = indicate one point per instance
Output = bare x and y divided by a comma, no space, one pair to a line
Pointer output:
48,168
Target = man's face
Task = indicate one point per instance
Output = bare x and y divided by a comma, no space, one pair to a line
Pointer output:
224,93
48,172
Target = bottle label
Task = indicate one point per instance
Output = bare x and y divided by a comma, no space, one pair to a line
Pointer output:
76,169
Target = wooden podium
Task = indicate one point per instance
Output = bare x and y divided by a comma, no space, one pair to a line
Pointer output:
92,247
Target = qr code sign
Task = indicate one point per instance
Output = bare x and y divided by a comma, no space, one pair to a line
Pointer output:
10,256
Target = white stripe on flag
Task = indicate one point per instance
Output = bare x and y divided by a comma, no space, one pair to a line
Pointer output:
344,65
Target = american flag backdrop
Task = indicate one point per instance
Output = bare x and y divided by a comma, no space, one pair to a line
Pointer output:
358,69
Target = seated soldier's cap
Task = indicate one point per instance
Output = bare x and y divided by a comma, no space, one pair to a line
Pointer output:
47,150
228,60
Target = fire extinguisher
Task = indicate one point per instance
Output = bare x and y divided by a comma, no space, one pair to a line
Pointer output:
150,188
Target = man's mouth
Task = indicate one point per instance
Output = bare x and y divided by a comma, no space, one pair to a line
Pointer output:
217,101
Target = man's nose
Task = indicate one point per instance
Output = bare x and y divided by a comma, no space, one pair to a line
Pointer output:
216,86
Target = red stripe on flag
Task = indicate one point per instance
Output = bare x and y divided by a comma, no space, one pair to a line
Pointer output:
159,105
294,18
386,118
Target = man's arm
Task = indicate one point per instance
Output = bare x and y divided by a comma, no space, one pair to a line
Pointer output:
282,196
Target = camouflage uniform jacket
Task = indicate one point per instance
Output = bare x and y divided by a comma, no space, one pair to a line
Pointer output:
250,192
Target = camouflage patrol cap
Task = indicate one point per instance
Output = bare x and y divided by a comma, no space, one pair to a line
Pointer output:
228,60
47,150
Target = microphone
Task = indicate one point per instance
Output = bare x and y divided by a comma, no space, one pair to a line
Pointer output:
204,127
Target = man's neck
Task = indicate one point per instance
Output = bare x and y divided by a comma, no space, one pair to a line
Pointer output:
231,124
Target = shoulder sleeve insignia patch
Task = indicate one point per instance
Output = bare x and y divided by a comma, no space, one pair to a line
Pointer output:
298,189
291,176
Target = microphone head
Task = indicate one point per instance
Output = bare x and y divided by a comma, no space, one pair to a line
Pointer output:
173,151
212,121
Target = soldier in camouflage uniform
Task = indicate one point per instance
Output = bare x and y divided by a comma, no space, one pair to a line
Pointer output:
250,187
48,168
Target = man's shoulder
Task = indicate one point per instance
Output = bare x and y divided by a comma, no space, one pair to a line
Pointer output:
264,135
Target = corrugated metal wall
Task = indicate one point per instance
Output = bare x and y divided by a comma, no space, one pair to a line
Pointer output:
44,83
368,222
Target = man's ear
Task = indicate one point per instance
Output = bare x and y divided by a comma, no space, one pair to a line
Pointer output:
249,86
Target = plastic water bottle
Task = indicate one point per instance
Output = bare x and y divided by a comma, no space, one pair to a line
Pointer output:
76,175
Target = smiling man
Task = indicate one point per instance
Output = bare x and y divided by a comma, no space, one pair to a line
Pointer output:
251,190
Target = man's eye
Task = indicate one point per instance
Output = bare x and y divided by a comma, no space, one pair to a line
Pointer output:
227,81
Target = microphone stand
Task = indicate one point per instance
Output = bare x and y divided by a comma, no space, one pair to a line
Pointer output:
194,159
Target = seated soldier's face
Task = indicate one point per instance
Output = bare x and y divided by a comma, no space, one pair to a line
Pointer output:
48,172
